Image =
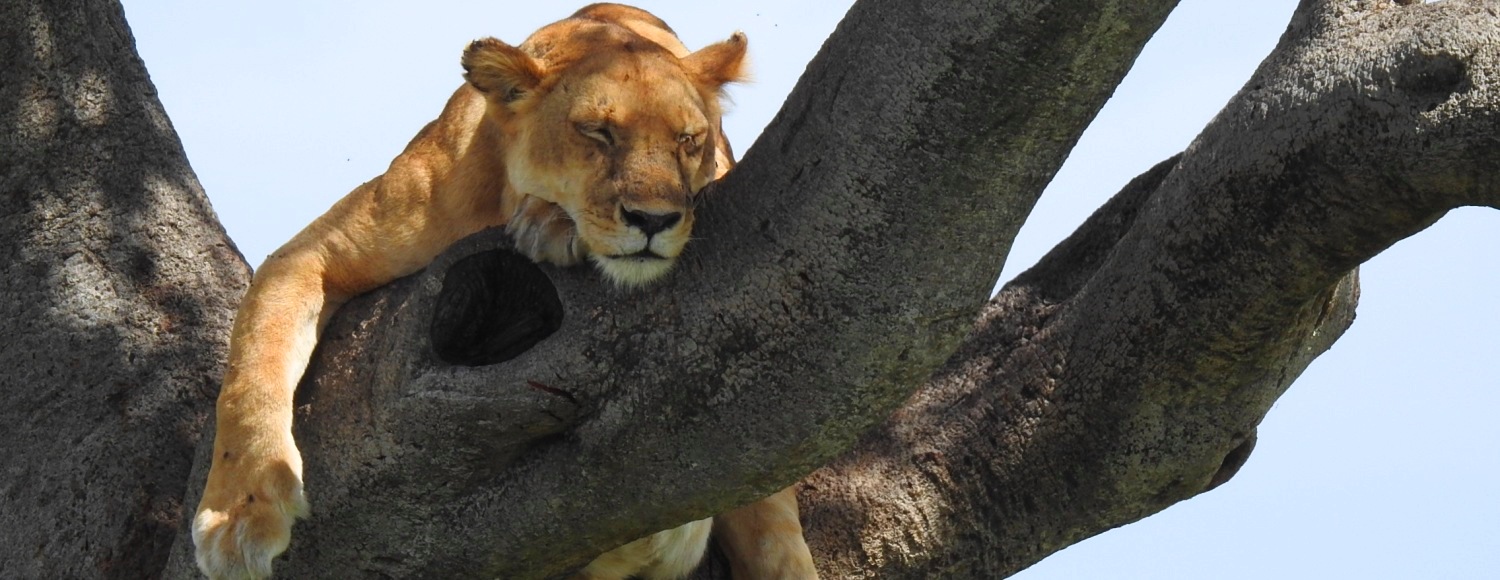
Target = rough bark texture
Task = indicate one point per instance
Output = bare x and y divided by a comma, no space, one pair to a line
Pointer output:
117,286
841,264
1063,415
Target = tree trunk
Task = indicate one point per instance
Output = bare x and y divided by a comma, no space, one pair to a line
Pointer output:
489,418
117,286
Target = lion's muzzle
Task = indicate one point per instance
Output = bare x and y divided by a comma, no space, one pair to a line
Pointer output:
651,223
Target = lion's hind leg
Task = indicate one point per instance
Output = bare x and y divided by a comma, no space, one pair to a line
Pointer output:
666,555
763,540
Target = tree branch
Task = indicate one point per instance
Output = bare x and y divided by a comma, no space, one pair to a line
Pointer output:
1128,370
905,161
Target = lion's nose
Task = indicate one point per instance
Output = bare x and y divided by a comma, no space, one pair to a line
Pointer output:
652,223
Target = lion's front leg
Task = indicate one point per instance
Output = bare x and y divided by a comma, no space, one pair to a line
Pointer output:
543,232
254,489
245,517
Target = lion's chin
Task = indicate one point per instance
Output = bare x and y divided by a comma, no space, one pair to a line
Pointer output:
633,271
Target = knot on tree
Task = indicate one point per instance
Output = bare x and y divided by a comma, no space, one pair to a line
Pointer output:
1431,79
1233,461
494,305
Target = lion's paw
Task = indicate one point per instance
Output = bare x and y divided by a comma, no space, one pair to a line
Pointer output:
245,521
543,232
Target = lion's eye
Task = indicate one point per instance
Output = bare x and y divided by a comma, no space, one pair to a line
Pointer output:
597,132
690,141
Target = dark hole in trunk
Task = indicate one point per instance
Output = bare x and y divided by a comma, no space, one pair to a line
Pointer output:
494,306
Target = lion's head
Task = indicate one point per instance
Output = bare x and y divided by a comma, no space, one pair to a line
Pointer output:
609,130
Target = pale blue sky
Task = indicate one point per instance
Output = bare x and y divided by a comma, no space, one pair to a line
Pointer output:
1382,461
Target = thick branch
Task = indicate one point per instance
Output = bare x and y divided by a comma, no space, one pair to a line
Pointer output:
1128,370
839,265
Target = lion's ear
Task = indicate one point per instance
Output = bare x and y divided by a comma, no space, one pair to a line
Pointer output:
500,70
720,63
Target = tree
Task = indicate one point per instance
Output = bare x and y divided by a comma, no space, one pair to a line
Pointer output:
117,292
1125,372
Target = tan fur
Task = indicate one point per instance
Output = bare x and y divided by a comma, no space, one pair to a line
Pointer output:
764,539
587,142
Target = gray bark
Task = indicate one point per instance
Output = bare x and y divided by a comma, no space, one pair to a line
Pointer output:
1127,370
841,264
837,267
117,286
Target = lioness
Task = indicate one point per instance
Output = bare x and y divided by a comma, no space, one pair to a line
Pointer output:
587,142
